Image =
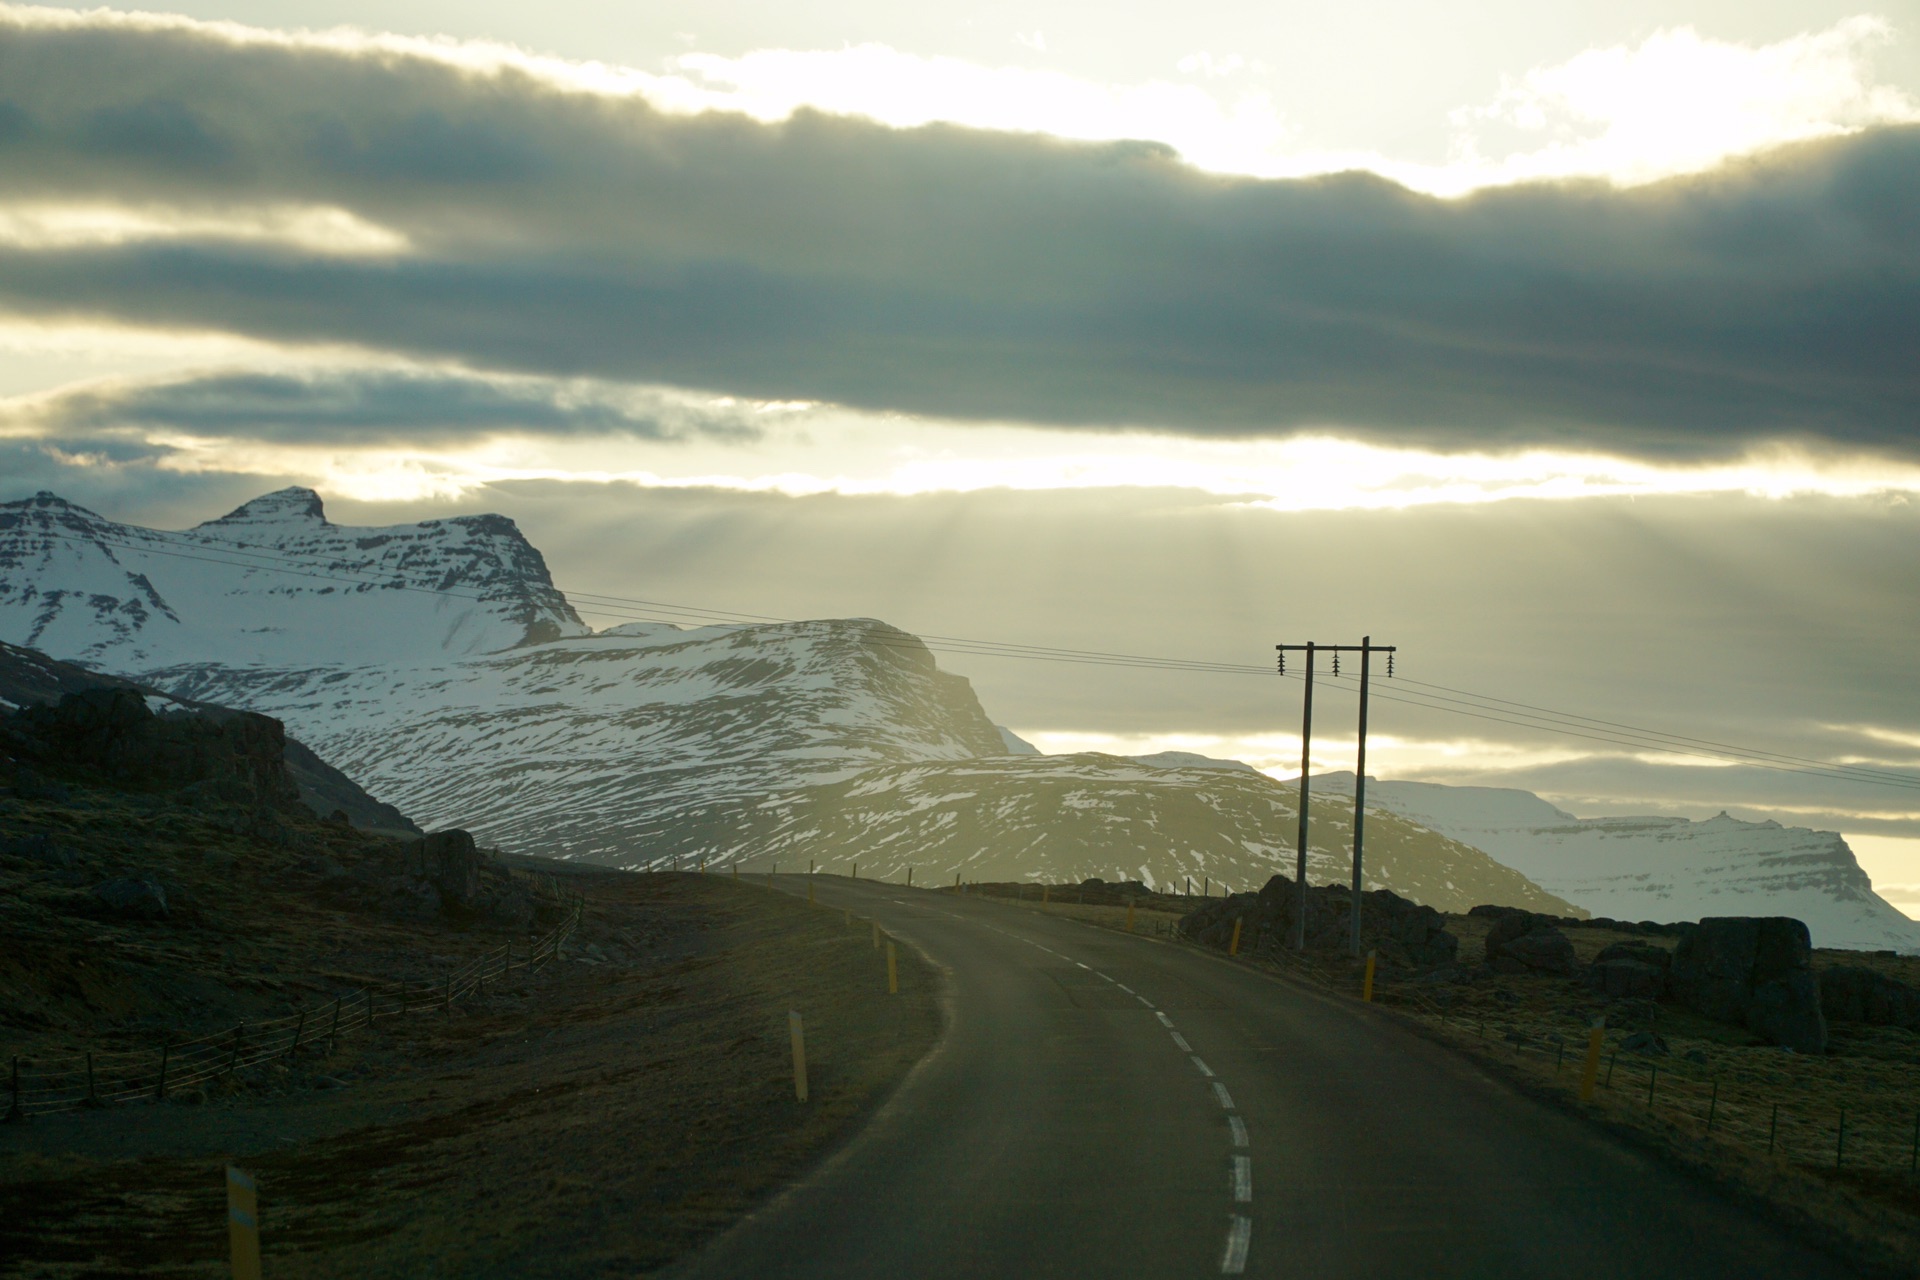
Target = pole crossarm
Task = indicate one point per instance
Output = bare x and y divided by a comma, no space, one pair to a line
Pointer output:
1366,649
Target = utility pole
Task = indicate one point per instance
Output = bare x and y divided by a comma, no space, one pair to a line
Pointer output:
1366,649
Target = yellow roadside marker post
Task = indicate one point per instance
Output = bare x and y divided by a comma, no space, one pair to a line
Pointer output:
703,864
809,888
1366,990
956,882
1233,948
1591,1067
243,1225
856,871
1046,896
893,972
736,871
909,877
1129,916
799,1034
771,868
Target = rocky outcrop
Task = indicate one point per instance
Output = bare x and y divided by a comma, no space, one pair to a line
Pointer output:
1524,942
1853,993
1756,972
447,874
1406,934
113,735
30,679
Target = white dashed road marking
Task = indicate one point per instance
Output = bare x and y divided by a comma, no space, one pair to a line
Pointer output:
1234,1261
1205,1070
1182,1042
1165,1021
1242,1179
1238,1127
1220,1092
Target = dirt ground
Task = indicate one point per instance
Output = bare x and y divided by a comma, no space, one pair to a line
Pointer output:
599,1118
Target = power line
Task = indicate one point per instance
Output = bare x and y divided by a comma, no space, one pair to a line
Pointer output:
233,553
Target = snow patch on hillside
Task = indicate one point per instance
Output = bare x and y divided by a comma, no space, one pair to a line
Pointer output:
1660,868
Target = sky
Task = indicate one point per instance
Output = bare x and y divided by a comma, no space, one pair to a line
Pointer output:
1568,347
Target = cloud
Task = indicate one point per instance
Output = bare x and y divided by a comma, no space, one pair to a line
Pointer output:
1681,103
376,407
559,229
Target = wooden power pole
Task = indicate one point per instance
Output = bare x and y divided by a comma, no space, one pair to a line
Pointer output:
1366,649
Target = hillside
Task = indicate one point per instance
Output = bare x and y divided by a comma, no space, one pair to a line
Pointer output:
1660,868
438,666
1068,818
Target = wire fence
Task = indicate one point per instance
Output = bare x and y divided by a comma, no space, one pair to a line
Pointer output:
1822,1115
102,1078
1858,1116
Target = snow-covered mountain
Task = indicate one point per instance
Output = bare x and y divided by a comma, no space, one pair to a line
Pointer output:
438,666
271,584
1655,868
604,746
1071,817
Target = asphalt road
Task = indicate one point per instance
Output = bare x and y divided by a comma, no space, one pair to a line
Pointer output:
1109,1106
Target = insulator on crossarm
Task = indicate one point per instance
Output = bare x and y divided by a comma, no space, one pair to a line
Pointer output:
1389,666
1336,666
1283,664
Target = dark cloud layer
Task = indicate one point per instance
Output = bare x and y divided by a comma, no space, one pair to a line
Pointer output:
969,274
360,406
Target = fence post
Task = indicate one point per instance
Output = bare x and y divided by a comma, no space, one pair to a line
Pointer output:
909,877
1653,1078
243,1225
799,1037
160,1090
893,972
1773,1127
334,1032
1713,1103
299,1029
1236,923
1046,897
1611,1059
856,871
1590,1067
1366,993
1840,1146
13,1111
239,1033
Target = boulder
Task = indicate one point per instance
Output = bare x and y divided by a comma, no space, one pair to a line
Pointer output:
130,898
1627,979
1851,993
449,861
1630,970
1756,972
1406,934
1647,1043
1521,942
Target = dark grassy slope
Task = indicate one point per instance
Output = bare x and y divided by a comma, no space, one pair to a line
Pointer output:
29,678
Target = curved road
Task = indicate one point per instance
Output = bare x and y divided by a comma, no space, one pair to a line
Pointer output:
1108,1106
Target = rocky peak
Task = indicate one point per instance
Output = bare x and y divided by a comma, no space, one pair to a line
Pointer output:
292,505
